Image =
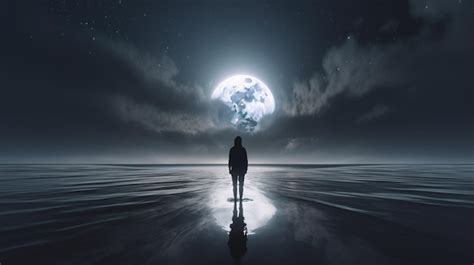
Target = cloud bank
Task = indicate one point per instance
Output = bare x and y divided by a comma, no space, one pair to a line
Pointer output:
170,105
354,69
350,69
158,121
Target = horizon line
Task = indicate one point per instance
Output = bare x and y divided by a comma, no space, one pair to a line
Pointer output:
250,164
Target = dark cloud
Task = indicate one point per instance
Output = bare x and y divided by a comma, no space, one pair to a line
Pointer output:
296,143
158,121
171,106
377,112
355,69
349,69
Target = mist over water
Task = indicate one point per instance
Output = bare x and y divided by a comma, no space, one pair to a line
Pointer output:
129,214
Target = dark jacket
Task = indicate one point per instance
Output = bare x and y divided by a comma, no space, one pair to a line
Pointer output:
238,160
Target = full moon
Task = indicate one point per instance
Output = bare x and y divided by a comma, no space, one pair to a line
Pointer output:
246,99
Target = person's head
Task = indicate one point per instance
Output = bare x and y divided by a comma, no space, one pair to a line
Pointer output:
238,141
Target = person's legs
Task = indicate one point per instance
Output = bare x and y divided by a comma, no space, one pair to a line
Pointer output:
234,184
241,185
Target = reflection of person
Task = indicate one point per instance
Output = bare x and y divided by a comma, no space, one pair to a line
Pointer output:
238,165
238,234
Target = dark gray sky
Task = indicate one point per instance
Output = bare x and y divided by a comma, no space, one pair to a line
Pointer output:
130,81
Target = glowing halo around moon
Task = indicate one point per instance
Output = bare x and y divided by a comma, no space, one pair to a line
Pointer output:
246,99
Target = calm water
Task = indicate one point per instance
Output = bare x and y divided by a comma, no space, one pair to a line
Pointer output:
348,214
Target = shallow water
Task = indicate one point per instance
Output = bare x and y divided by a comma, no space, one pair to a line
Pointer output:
130,214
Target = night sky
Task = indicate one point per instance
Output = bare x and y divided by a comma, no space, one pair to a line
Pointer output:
121,81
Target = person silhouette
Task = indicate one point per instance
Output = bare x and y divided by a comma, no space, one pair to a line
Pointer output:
238,235
238,164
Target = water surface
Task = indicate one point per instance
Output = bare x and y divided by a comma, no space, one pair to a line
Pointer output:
148,214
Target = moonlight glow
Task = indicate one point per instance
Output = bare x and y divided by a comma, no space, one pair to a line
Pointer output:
247,101
257,211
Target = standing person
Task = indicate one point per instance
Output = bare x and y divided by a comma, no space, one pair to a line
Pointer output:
238,166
